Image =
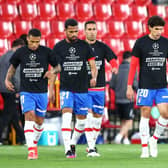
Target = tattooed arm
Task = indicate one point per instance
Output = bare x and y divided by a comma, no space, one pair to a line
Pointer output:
9,75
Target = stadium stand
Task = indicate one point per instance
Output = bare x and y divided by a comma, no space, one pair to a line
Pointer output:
9,11
119,22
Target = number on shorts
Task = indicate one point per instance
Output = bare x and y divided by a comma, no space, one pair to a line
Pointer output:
143,92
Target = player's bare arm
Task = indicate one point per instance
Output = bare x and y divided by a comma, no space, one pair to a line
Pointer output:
54,70
94,73
52,88
9,85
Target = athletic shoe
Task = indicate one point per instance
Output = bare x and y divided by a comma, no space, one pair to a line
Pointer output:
96,154
91,153
73,150
153,147
69,155
145,152
126,141
32,153
118,139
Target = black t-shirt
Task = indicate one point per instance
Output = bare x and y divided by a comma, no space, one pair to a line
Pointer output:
152,55
102,52
33,65
73,58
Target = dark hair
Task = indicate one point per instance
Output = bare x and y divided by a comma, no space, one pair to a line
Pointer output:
70,22
156,21
89,22
24,37
127,54
18,42
34,32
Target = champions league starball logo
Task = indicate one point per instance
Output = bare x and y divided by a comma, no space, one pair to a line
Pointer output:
32,57
72,50
155,46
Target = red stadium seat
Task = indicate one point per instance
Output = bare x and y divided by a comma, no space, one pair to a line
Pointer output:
128,43
52,41
138,13
3,46
156,10
145,27
13,1
43,42
6,29
115,44
28,11
46,11
50,1
43,26
83,11
121,11
142,2
124,1
21,27
133,29
2,1
65,11
81,33
102,12
1,101
165,30
87,1
115,28
101,29
57,28
106,1
9,11
32,1
67,1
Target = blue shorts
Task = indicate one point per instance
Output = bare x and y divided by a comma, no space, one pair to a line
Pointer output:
77,101
146,97
36,102
96,101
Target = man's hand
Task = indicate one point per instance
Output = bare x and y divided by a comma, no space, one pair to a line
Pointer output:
114,70
53,71
130,92
9,85
93,82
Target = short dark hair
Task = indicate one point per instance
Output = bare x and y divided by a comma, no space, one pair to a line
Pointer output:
127,54
17,42
24,37
34,32
156,21
70,22
89,22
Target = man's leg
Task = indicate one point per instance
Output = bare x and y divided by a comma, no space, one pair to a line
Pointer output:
161,124
144,130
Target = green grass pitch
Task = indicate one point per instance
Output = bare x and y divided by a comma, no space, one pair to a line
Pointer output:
112,156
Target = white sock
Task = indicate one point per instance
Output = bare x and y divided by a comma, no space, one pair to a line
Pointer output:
96,128
160,126
66,130
89,131
29,133
144,131
38,129
78,130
